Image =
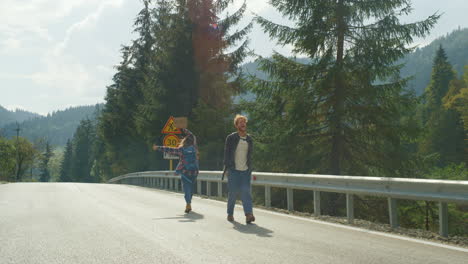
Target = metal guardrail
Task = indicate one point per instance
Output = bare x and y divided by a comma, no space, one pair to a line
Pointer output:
441,191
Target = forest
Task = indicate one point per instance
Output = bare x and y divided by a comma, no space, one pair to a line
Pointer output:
342,106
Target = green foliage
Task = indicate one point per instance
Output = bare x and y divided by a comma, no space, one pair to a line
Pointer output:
83,156
44,175
452,171
418,64
25,157
443,127
18,115
56,127
340,113
55,163
211,126
66,163
7,161
177,66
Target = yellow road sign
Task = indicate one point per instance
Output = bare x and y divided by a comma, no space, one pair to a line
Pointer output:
170,128
171,141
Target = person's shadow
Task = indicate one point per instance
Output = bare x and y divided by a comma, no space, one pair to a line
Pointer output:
252,229
190,217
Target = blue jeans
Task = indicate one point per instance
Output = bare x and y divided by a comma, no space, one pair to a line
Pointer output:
188,185
239,183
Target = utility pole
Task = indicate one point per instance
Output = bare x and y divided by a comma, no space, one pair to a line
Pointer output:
18,129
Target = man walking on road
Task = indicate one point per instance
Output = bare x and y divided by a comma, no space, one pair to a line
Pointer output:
238,164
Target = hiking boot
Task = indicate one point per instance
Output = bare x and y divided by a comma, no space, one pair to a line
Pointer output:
249,218
188,208
230,218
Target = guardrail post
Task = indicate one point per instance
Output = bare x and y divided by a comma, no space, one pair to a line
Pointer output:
392,212
208,188
267,196
177,184
317,203
171,184
350,207
443,219
199,187
220,189
290,198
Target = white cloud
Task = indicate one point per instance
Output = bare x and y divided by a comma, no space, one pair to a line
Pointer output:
87,23
61,53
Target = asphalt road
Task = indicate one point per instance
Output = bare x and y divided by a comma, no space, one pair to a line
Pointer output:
101,223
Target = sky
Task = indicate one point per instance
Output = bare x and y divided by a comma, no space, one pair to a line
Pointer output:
56,54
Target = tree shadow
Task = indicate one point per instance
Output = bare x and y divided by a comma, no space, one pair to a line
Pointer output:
185,218
252,229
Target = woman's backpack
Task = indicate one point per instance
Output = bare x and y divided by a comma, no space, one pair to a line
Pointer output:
190,158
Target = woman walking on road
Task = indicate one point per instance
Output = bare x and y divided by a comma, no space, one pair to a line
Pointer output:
188,164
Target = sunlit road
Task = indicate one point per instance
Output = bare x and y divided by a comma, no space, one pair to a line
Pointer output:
99,223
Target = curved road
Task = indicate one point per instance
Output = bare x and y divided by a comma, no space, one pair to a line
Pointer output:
101,223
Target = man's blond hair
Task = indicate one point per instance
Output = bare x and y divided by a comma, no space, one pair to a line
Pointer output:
239,117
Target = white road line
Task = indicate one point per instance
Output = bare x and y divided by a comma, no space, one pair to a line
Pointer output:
351,228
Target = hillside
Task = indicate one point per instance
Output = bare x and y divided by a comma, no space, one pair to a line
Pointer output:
419,62
18,115
57,127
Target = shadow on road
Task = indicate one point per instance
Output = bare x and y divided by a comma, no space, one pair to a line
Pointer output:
252,229
190,217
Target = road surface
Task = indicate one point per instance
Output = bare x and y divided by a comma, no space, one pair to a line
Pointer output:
103,223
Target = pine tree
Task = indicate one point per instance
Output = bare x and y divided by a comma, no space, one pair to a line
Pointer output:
190,69
338,113
211,41
457,98
124,145
7,162
44,174
218,54
442,75
342,109
82,159
65,166
443,127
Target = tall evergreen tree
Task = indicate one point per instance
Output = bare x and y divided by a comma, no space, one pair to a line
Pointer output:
65,165
191,69
82,159
125,147
443,127
457,99
218,51
344,106
44,174
25,154
211,40
7,162
340,112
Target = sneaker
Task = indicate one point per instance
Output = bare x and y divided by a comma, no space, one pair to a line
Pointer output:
230,218
188,208
249,218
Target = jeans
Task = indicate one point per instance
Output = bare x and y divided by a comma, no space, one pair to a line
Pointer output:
239,183
188,185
